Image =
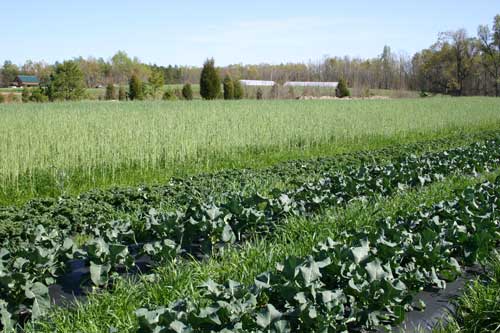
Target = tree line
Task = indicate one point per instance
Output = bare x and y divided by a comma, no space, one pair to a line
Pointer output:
456,64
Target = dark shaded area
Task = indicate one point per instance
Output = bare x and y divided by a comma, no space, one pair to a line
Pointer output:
439,303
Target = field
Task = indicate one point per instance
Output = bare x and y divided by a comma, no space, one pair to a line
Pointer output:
53,149
237,216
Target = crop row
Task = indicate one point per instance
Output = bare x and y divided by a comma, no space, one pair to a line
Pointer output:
36,258
365,279
97,206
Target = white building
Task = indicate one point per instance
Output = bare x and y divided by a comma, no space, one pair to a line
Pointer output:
257,83
312,84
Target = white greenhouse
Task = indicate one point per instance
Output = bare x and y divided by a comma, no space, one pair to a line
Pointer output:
312,84
257,83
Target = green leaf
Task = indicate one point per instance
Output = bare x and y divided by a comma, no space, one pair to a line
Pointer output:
5,317
360,253
99,273
179,327
268,316
228,235
375,270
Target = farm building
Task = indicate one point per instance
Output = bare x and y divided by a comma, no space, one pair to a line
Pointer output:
26,81
312,84
257,83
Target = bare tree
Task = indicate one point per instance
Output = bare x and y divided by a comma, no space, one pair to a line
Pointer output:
490,46
464,49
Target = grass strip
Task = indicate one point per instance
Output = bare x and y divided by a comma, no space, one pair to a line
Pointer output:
478,309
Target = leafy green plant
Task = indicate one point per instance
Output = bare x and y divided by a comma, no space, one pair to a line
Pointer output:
203,224
366,279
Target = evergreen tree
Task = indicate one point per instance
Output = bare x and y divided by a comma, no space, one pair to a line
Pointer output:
187,92
342,90
228,86
110,92
67,82
209,81
259,94
135,91
122,94
238,89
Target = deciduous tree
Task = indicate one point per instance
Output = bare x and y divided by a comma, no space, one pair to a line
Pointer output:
490,46
8,73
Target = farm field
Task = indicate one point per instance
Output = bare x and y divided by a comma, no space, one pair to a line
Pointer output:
283,216
68,148
294,235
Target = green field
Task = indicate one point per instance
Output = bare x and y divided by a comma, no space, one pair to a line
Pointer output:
263,216
57,148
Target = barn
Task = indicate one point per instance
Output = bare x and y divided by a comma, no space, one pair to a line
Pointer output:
26,81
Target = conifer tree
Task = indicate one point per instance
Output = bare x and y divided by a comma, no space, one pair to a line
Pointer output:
238,89
228,86
110,92
342,90
122,94
209,81
187,92
135,89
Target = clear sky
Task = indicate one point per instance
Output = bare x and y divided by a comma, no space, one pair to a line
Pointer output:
256,31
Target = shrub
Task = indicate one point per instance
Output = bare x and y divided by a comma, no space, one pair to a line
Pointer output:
187,92
228,86
209,81
25,95
135,91
110,92
39,96
122,94
238,89
2,99
259,94
178,94
169,95
342,90
12,98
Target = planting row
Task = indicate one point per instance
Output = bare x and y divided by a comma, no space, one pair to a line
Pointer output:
76,213
362,280
34,259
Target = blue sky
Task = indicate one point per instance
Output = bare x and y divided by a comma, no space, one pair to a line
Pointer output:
186,32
